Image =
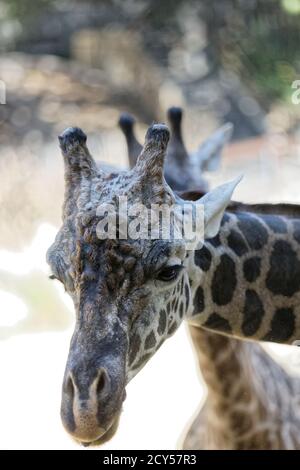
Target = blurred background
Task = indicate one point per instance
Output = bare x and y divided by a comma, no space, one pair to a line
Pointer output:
81,63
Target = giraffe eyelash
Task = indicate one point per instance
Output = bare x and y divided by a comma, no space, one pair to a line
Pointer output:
169,273
52,277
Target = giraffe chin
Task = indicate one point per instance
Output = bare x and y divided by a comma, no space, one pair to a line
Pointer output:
107,434
103,436
88,432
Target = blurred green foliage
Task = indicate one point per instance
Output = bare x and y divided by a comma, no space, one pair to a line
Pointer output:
261,43
26,8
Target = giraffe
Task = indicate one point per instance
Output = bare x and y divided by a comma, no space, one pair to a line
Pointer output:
240,376
131,294
182,171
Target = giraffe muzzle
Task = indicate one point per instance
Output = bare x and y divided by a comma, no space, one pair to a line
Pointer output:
92,401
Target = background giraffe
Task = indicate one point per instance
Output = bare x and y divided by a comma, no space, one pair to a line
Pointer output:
182,171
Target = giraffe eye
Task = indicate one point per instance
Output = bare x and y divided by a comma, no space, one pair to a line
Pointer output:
169,273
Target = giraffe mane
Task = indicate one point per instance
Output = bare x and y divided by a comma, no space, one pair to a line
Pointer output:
284,209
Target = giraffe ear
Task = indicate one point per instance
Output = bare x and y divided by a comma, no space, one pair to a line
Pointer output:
215,203
208,155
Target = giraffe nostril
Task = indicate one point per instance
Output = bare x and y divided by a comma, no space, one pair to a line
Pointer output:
102,384
70,388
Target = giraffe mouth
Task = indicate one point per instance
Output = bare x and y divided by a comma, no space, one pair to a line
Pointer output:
109,433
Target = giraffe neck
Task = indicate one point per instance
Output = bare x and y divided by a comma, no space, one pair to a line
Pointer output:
246,281
234,400
247,389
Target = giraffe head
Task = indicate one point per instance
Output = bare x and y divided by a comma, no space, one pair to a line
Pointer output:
129,294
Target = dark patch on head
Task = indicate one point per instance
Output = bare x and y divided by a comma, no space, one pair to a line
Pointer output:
162,322
187,296
224,281
284,274
198,301
150,341
203,258
237,243
276,223
215,241
253,313
251,268
134,348
216,322
296,226
254,232
282,325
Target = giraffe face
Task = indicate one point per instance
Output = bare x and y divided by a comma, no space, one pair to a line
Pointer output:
129,294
